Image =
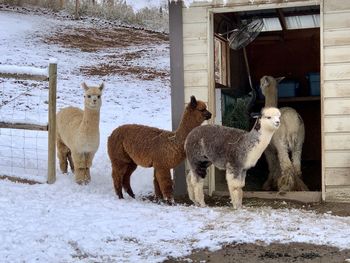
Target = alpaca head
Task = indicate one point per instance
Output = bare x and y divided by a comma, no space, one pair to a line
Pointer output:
269,119
269,84
92,96
198,110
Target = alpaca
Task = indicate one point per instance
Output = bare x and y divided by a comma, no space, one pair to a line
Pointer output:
227,148
131,145
284,173
78,135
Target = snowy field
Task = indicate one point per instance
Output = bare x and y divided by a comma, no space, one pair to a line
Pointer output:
65,222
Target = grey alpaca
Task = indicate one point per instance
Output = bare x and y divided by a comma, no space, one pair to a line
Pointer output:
227,148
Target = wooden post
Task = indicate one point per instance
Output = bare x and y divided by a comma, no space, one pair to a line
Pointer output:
76,15
51,169
177,84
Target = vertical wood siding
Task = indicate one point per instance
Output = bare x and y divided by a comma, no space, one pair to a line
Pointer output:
336,99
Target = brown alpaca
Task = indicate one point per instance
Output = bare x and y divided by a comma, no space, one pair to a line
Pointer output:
132,145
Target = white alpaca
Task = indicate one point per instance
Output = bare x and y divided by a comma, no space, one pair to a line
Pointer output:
227,148
78,135
283,155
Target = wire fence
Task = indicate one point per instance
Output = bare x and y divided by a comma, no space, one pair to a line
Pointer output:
27,112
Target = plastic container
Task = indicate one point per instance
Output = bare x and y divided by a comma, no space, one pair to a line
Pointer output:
314,83
288,88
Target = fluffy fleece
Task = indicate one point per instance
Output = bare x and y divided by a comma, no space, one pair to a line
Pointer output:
227,148
132,145
283,154
78,134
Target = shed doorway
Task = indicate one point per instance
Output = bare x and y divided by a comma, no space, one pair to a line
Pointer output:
288,46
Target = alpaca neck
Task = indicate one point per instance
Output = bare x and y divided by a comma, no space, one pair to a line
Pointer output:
186,125
271,97
90,121
264,137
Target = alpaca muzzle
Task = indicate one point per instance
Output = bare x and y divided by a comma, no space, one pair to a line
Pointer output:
207,115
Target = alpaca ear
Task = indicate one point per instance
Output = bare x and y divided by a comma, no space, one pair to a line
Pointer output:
280,79
193,102
264,81
84,86
255,115
102,86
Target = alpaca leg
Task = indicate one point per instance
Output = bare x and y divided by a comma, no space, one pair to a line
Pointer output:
165,183
190,186
80,168
88,163
286,181
157,191
126,179
296,159
271,159
235,184
118,171
70,160
62,154
198,185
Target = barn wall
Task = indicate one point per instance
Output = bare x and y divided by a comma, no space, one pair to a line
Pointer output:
195,46
335,68
336,99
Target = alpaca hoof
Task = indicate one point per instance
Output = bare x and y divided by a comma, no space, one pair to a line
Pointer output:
202,205
82,182
131,193
237,206
170,201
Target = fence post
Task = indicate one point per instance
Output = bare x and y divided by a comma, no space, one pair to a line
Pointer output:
51,170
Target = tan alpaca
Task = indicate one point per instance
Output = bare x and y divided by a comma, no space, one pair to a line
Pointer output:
78,135
132,145
284,172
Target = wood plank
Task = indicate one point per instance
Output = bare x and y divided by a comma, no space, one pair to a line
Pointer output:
337,54
337,123
196,62
336,38
338,194
337,20
336,106
196,78
336,71
305,197
23,126
195,46
337,176
336,89
194,15
334,141
24,76
195,31
201,93
335,5
337,159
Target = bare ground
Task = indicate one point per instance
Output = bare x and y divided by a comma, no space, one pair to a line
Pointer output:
92,40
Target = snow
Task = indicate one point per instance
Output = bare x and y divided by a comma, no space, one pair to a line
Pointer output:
66,222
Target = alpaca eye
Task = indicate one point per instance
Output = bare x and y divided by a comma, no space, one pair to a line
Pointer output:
268,117
99,96
89,96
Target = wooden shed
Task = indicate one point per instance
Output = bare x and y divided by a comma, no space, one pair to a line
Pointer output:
306,41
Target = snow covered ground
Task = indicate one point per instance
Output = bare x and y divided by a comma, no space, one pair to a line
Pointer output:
65,222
